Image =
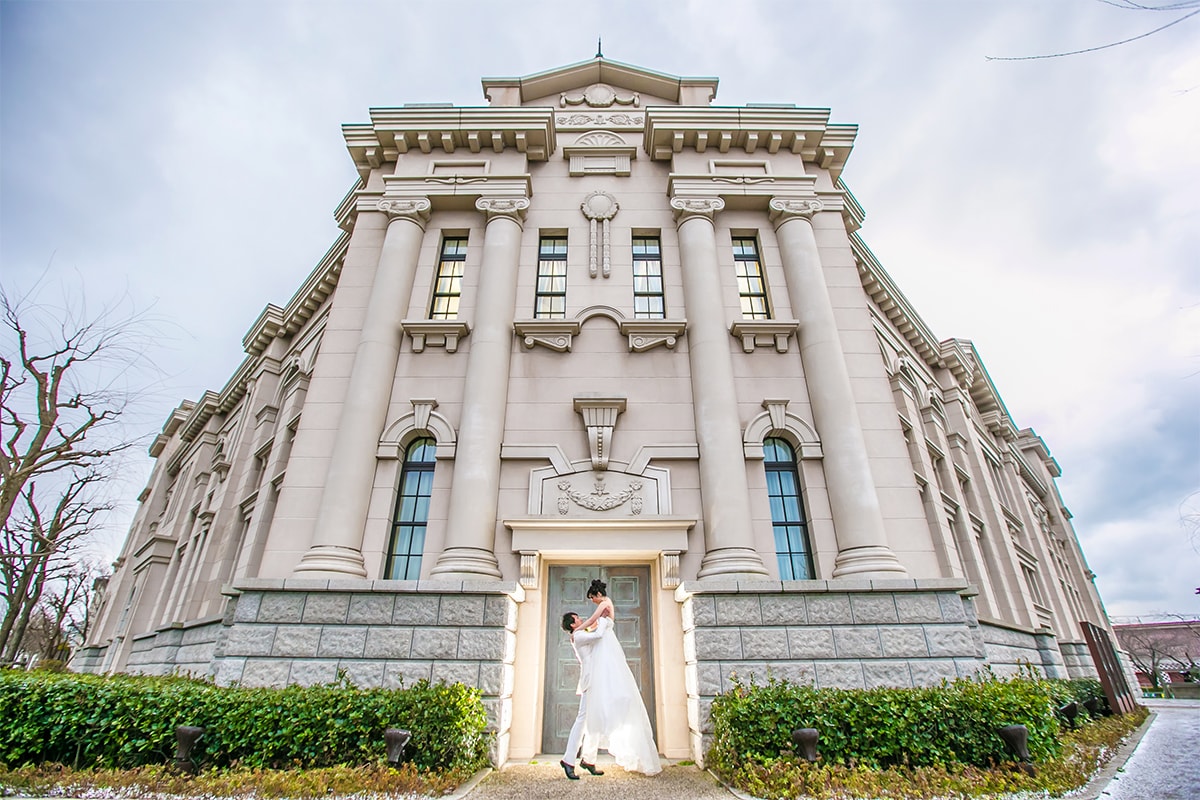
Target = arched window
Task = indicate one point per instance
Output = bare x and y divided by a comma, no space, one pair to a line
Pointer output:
412,512
787,511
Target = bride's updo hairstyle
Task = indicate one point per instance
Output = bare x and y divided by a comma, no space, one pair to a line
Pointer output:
597,589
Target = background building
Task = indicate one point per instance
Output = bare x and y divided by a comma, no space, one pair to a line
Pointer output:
598,328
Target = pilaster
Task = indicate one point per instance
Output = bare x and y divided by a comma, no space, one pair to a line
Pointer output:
471,524
863,551
336,550
729,550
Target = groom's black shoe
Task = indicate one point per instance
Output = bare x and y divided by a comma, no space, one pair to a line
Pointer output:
567,768
591,768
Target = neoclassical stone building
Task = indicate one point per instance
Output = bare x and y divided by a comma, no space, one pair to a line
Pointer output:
598,327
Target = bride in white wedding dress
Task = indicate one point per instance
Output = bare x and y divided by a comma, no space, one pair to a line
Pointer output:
616,716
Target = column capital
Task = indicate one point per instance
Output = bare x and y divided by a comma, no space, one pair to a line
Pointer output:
785,209
512,207
689,207
413,209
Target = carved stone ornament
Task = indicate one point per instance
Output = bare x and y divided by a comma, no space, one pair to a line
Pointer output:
599,95
511,207
599,207
688,207
415,209
604,120
600,499
600,417
784,209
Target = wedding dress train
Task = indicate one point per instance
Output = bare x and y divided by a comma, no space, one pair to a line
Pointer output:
616,716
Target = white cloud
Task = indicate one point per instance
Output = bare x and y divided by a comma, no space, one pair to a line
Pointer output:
1045,210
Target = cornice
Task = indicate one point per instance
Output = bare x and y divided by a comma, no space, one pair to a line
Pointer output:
347,210
1031,478
395,131
600,70
1027,439
468,187
320,283
705,184
274,322
205,408
883,291
804,131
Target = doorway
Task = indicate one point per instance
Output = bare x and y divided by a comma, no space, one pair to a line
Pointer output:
629,588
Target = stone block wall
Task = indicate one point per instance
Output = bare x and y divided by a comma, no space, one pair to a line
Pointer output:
1010,649
175,650
1078,661
88,659
849,634
378,634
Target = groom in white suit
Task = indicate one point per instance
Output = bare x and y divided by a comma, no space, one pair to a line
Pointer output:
582,643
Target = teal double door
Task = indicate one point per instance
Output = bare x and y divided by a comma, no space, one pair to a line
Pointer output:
629,588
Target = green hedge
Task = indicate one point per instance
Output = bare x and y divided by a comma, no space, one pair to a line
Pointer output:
953,723
127,721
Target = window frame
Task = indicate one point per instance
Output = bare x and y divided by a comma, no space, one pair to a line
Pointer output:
416,473
791,551
746,275
452,293
652,263
550,302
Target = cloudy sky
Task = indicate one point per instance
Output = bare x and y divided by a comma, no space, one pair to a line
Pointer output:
187,156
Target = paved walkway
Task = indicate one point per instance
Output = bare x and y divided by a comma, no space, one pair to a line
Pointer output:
544,780
1166,763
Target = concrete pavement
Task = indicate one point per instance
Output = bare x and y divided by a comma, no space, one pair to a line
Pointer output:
1165,763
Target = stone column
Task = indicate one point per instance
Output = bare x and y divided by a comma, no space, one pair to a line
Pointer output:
725,496
336,549
471,525
863,550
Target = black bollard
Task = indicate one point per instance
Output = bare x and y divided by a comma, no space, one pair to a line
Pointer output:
186,736
805,740
1069,712
397,740
1016,737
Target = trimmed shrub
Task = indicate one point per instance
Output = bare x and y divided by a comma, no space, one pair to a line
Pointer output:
128,721
952,724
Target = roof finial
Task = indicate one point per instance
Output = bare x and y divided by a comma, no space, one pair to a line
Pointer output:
599,53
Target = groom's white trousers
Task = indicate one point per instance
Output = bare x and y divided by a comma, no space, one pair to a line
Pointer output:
576,737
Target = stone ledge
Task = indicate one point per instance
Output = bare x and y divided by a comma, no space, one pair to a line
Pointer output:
838,586
349,585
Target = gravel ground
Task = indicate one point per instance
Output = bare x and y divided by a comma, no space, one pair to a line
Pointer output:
546,781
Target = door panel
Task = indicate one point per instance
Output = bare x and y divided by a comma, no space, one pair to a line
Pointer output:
629,588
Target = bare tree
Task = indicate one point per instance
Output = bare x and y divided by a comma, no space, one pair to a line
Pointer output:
1158,647
62,617
61,401
40,547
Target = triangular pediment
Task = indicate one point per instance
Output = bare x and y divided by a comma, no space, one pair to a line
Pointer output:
602,83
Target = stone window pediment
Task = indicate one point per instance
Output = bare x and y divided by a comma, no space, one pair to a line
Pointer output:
600,152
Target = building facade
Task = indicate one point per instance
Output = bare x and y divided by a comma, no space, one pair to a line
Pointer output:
599,327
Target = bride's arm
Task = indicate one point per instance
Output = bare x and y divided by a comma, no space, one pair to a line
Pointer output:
606,605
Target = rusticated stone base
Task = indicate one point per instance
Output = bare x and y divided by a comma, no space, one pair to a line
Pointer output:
375,633
840,633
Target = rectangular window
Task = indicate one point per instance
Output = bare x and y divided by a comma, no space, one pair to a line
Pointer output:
551,299
647,278
447,287
752,288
